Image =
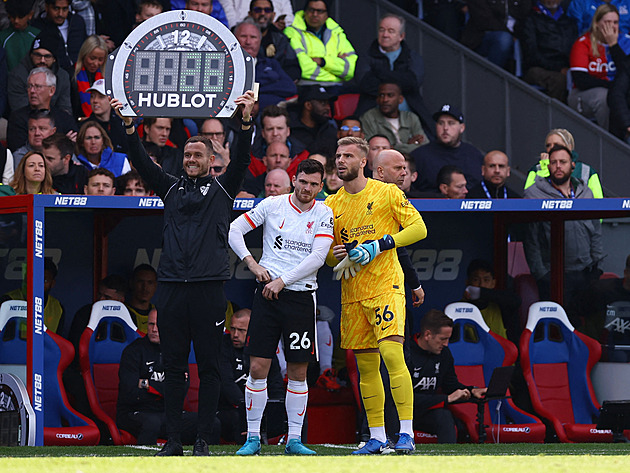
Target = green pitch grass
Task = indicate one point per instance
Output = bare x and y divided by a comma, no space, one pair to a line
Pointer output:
464,458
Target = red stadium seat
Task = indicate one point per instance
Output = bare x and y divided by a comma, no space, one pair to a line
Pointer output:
345,105
109,331
557,363
477,352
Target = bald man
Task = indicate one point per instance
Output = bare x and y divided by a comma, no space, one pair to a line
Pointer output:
390,166
277,182
494,172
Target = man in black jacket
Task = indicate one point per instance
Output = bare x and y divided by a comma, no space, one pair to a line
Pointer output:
193,267
140,406
68,177
435,383
390,58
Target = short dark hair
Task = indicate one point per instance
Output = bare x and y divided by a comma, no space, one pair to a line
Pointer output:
143,267
273,111
59,141
251,4
411,163
479,265
353,118
39,114
555,148
152,3
18,8
434,320
445,174
101,172
201,139
150,121
310,166
115,282
378,135
133,175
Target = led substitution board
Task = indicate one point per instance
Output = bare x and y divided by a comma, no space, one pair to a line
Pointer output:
179,63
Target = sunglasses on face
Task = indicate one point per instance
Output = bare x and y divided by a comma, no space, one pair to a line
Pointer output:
217,169
348,128
262,9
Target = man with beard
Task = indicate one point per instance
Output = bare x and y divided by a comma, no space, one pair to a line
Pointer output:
368,217
297,233
274,43
583,250
313,126
402,128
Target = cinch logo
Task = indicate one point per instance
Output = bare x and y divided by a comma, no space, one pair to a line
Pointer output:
557,204
66,200
548,309
278,243
476,204
111,307
599,66
344,235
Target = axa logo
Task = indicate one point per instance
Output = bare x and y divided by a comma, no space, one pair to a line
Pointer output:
278,242
369,208
309,227
344,235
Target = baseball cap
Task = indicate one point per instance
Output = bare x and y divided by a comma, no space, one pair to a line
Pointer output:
451,110
98,86
316,92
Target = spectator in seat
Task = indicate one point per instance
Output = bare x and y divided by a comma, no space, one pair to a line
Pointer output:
19,36
209,7
563,137
350,126
410,178
451,182
547,35
158,130
101,181
323,51
435,382
275,128
499,308
54,313
41,85
275,83
272,18
148,9
403,129
69,27
234,365
490,29
277,182
593,64
262,11
103,114
214,130
495,171
32,175
376,143
143,285
87,70
40,125
41,53
448,148
312,125
140,406
390,58
94,150
619,102
131,183
583,10
583,248
68,176
277,157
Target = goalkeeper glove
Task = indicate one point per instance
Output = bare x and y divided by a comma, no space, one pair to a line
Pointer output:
346,268
366,252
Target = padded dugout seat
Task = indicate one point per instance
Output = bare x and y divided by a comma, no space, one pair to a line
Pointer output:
477,352
62,424
345,105
108,333
557,362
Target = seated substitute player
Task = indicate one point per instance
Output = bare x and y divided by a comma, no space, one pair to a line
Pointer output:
297,233
368,216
